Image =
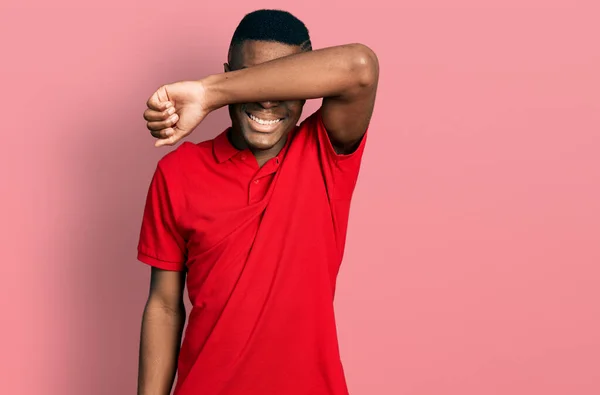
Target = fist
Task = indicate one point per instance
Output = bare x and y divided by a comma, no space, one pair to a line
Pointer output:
175,110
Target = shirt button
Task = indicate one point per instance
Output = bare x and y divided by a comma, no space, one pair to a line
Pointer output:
256,181
243,157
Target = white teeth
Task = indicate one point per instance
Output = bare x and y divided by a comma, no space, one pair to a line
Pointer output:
262,121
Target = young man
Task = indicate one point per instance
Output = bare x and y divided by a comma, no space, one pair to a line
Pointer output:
255,218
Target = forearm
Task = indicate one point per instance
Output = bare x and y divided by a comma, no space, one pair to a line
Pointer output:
159,348
331,72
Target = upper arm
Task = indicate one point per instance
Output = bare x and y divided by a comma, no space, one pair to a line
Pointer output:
161,242
347,116
166,288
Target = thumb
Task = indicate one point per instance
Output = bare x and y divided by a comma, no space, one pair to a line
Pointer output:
159,101
173,139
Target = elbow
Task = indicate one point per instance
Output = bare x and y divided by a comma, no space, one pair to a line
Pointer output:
365,66
172,308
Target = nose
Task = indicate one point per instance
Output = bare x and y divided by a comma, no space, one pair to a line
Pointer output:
268,104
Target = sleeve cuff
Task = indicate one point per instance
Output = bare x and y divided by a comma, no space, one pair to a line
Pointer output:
160,264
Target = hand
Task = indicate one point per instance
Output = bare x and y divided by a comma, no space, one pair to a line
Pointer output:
175,110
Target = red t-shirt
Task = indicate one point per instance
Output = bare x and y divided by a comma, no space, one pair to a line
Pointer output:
262,247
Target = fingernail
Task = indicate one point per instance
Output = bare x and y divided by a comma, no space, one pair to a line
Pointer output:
169,104
171,110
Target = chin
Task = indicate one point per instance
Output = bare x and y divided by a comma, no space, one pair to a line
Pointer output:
262,129
262,141
264,138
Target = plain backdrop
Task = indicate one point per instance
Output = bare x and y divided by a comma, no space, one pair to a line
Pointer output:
472,260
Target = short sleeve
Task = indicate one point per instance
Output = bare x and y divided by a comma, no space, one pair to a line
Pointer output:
161,244
339,170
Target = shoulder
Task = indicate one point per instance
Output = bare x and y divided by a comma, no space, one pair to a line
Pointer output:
312,126
305,132
184,157
312,122
312,132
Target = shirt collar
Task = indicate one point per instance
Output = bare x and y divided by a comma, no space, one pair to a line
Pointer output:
222,148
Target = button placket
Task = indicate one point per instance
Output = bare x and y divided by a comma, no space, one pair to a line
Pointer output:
254,184
257,184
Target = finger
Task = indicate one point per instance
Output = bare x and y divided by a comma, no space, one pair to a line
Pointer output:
153,115
167,141
156,126
158,102
162,134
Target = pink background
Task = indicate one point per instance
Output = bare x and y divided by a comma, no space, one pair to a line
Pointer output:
472,262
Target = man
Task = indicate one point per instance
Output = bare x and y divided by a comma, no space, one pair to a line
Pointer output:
255,218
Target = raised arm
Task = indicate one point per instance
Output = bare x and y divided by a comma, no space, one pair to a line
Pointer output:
345,76
162,327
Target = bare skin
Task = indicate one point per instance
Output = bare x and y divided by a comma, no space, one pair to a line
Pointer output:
162,327
344,76
265,85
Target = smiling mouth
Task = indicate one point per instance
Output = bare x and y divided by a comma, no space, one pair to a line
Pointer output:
264,122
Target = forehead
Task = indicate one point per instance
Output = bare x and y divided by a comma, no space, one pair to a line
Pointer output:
251,53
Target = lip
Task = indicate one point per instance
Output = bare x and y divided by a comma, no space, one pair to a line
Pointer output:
263,116
264,128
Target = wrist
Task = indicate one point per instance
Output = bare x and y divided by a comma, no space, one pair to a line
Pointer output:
213,100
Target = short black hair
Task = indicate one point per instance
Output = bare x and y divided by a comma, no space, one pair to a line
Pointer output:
272,25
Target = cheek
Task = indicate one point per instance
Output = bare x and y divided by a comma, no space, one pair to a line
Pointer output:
295,108
236,111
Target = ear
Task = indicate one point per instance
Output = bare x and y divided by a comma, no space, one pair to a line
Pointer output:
226,67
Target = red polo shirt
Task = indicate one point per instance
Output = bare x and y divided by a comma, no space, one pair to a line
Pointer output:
262,247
